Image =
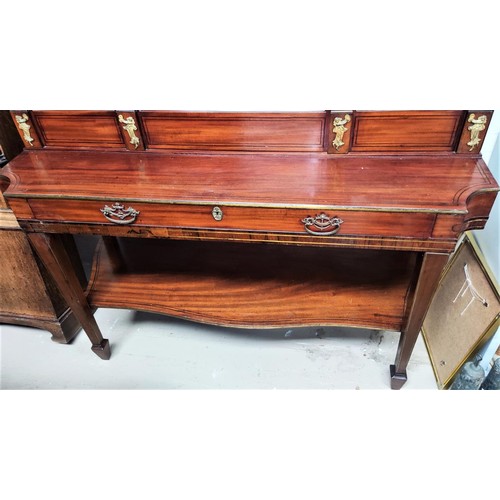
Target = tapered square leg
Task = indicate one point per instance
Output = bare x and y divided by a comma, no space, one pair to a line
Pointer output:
52,252
428,279
397,379
103,350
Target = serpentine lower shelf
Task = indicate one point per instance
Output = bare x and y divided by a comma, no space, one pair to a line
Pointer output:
261,285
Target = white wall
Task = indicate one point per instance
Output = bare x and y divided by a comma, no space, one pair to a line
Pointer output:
489,237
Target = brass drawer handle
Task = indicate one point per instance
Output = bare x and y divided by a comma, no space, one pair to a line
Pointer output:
118,215
326,226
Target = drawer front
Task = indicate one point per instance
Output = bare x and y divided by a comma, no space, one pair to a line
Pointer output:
278,220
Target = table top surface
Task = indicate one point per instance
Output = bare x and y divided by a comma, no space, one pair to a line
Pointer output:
395,182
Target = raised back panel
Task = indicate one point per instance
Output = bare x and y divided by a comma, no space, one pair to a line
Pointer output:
79,129
406,131
234,131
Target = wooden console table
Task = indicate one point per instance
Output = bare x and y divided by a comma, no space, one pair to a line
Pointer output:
253,219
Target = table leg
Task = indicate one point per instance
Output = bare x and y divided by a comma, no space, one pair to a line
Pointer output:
52,252
428,280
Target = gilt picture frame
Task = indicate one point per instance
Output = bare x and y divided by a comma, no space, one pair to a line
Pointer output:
464,313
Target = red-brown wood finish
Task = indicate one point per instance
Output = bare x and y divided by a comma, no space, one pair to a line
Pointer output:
402,190
406,131
376,132
418,183
259,193
373,242
285,220
256,285
79,129
234,131
20,207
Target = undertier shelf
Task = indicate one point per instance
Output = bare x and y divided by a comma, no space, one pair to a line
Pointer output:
255,285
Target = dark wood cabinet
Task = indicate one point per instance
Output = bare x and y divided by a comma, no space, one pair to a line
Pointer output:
254,219
28,295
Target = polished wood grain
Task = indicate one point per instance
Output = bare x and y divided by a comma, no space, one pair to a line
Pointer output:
79,129
376,132
447,226
389,204
338,241
406,131
20,207
417,183
286,220
401,189
256,285
234,131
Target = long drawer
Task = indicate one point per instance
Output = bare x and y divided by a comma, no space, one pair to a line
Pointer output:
316,222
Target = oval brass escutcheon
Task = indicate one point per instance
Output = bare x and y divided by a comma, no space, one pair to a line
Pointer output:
217,213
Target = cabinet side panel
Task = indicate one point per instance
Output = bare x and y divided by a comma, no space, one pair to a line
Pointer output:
22,289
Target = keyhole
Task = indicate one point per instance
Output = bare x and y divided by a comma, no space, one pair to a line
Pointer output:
217,213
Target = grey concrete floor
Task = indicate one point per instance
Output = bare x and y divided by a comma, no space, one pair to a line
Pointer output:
158,352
